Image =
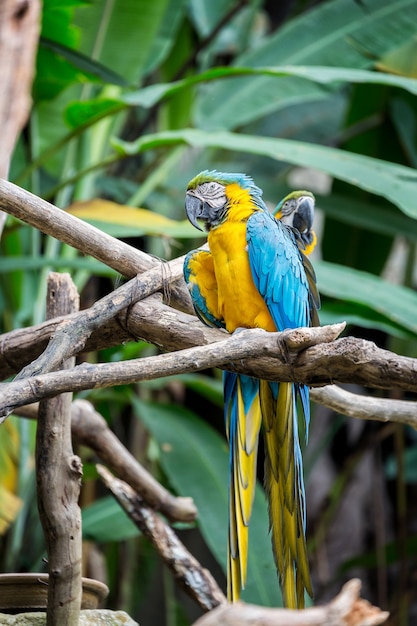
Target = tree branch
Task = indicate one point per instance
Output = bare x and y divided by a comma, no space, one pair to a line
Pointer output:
89,428
90,240
347,609
71,335
236,347
58,477
196,581
292,361
366,407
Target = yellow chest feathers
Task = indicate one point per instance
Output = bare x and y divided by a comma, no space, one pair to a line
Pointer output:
239,301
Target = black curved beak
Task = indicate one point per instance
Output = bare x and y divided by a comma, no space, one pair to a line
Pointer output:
304,214
194,209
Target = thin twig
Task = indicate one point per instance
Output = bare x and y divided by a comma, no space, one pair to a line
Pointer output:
366,407
90,429
71,335
196,581
82,236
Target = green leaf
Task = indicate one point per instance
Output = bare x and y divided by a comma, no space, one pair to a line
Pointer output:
354,314
410,465
86,113
372,217
165,37
121,34
149,96
401,60
92,69
395,182
405,121
206,14
30,263
54,73
106,521
78,113
395,302
196,460
338,33
130,221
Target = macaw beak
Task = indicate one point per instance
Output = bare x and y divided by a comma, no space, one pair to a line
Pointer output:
194,209
304,214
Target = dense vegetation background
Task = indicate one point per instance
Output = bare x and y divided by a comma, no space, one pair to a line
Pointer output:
131,99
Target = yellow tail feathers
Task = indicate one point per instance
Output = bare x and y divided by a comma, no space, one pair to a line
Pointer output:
284,486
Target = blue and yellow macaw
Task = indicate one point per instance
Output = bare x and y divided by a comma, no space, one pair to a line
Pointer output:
297,210
256,276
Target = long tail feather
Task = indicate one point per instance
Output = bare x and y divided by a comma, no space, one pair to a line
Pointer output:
243,421
285,488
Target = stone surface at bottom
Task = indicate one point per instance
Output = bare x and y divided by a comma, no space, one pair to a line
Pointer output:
89,617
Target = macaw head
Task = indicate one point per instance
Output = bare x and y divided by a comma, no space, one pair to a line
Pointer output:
210,193
297,210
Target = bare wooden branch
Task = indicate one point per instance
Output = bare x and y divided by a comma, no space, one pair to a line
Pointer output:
150,318
58,479
196,581
90,428
314,365
233,348
347,609
71,335
90,240
366,407
19,31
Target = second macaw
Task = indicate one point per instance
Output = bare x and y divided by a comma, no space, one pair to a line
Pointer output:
256,276
297,210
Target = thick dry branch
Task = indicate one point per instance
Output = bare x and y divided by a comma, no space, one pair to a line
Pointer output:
90,428
234,348
291,361
58,479
149,319
71,335
171,330
347,609
366,407
90,240
196,581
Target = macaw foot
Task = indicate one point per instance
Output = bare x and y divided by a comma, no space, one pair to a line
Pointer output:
242,329
239,330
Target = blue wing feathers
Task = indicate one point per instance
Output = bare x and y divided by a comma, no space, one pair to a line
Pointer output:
277,270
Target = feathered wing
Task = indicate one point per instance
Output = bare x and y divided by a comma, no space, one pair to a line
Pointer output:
279,275
201,280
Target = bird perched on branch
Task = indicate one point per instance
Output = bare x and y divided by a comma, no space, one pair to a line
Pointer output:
297,210
255,275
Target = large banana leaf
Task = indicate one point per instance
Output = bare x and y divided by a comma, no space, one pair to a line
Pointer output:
338,33
395,303
395,182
